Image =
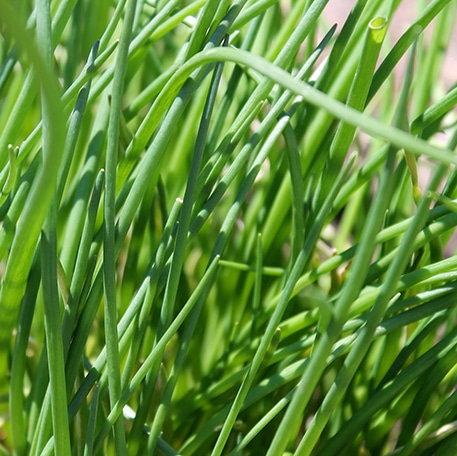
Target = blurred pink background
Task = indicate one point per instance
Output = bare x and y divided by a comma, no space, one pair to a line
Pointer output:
338,10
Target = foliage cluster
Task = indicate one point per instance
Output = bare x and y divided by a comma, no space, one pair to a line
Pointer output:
226,228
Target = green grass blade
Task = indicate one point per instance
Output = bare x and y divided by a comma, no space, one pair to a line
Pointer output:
29,227
109,251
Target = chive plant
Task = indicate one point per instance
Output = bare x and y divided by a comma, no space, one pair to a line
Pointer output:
226,228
